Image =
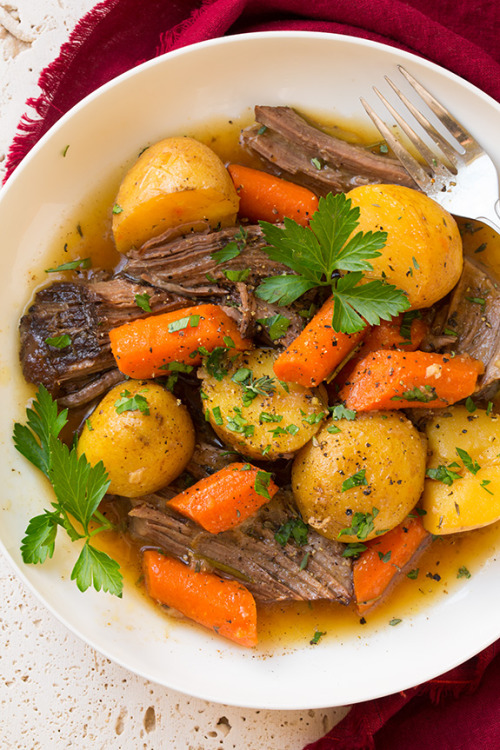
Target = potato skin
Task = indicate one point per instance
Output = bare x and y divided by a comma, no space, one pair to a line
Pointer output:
465,504
423,254
177,181
392,453
225,395
141,452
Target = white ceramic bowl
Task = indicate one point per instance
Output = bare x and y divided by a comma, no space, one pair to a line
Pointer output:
225,77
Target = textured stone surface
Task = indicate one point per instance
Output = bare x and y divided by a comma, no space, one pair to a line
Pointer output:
55,691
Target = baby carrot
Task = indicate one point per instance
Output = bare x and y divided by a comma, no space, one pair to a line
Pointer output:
317,351
145,347
263,196
217,603
382,561
391,379
226,498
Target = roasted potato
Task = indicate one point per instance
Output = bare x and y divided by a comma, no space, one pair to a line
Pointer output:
423,254
178,181
465,493
257,415
145,446
374,466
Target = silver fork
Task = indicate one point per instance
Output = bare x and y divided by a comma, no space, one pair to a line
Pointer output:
467,185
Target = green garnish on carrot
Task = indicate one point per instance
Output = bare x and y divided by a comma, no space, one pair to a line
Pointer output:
322,251
225,499
78,487
143,347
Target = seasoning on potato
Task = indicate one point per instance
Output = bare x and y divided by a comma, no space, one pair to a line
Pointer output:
423,253
143,435
176,182
462,489
362,475
258,415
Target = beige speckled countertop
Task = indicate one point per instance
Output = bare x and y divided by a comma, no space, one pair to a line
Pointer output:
55,691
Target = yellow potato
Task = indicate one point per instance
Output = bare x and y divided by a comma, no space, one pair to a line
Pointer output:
423,254
178,181
474,500
276,423
141,452
385,451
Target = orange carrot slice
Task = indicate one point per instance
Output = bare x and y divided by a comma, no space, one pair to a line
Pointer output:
389,379
219,604
226,498
263,196
145,347
382,561
317,351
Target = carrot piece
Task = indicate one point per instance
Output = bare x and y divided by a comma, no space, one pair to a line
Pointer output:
391,379
382,561
317,351
386,335
225,499
145,347
217,603
263,196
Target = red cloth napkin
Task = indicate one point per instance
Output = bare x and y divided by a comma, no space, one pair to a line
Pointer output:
461,35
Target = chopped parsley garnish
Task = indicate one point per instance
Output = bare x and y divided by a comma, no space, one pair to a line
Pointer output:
385,558
354,549
333,429
477,300
484,486
234,275
317,637
362,524
294,528
78,487
177,367
319,253
264,416
232,249
117,209
467,461
217,415
413,574
470,405
356,480
443,474
60,342
405,328
463,572
142,301
65,150
261,484
179,325
253,387
216,362
312,418
72,265
127,402
239,424
340,412
276,326
395,621
423,393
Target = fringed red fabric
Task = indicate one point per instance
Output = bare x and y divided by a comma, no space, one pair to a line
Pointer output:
461,35
459,710
117,35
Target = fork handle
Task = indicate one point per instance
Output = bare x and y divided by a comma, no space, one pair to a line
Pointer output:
493,217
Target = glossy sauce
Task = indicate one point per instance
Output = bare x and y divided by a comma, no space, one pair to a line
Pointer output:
88,234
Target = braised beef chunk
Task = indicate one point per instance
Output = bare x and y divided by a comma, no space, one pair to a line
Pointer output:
85,312
251,553
298,151
471,323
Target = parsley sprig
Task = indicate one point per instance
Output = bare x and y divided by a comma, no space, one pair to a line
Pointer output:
320,254
78,487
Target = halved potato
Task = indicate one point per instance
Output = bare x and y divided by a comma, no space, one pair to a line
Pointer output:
276,422
177,181
473,500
